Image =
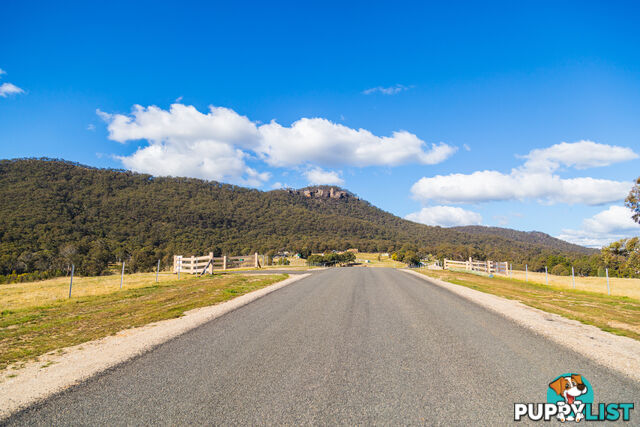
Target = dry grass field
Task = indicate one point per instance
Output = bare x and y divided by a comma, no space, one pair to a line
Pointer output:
385,260
19,295
37,317
620,287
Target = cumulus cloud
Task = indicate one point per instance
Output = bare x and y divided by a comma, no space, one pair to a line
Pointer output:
318,176
612,224
205,159
215,144
181,123
329,144
489,186
279,185
580,155
391,90
7,89
445,216
186,142
534,180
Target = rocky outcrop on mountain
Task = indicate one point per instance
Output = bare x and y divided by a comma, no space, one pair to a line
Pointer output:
323,193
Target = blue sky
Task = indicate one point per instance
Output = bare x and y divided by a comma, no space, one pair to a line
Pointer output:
426,110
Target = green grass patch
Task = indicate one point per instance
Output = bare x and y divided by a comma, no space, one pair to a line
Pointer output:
616,314
29,332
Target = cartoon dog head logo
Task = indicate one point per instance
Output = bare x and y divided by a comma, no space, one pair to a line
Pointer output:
570,392
569,387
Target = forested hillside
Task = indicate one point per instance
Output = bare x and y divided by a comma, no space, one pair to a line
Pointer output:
53,213
526,236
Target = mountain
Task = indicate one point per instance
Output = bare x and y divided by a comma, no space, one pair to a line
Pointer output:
54,212
532,237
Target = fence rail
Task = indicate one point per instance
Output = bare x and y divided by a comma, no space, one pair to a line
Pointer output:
489,267
207,263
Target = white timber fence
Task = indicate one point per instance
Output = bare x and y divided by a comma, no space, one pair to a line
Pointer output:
489,267
207,263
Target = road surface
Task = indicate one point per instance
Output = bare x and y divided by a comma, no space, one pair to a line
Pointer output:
343,346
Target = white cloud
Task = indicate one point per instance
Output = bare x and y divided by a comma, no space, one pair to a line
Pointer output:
466,147
7,89
279,185
2,71
445,216
329,144
214,145
534,180
186,142
489,186
319,176
612,224
91,127
181,123
203,159
580,155
391,90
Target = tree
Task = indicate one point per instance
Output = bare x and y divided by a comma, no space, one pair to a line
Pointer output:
411,258
633,201
304,252
560,270
348,257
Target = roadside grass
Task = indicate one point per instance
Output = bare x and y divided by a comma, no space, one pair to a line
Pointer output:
33,330
616,314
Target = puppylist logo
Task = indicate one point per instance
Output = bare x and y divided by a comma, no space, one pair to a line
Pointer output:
570,398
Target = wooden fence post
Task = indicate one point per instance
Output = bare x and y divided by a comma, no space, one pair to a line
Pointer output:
256,264
210,268
224,262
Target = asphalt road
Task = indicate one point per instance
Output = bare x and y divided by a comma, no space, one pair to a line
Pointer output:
344,346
